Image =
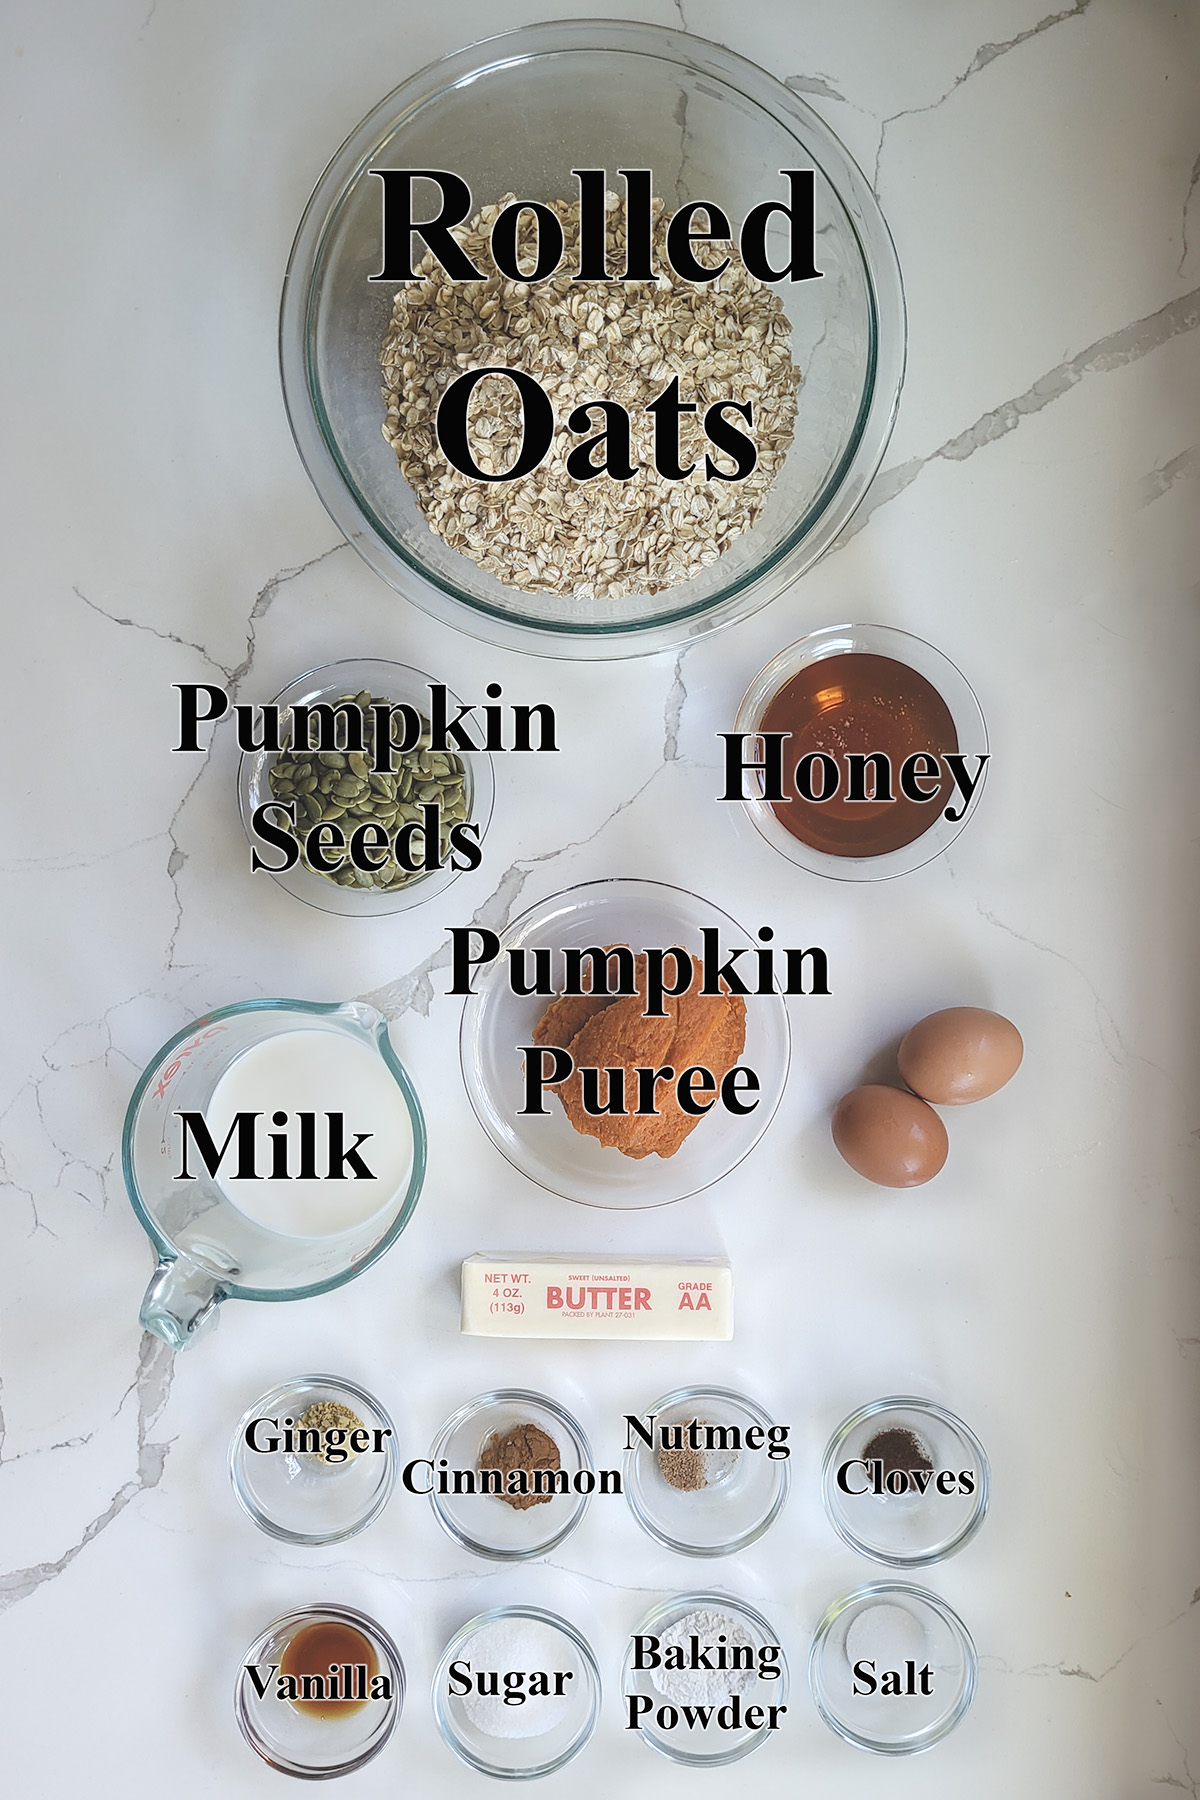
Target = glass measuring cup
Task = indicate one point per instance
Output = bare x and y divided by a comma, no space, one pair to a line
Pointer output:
208,1249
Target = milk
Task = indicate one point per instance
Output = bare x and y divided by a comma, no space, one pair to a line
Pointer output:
315,1073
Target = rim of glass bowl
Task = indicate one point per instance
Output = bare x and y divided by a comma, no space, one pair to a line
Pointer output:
809,538
470,1059
683,1397
665,1615
467,1411
916,653
587,1660
910,1403
277,1396
371,1628
935,1734
229,1290
318,891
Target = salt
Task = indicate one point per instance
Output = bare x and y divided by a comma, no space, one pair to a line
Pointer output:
887,1634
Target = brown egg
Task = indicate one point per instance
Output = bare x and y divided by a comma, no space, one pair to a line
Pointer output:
889,1136
961,1054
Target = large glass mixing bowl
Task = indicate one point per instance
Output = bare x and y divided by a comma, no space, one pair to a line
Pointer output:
517,113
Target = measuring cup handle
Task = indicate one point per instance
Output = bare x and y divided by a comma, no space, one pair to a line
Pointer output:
181,1302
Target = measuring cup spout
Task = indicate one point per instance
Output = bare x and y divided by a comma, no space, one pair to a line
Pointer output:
181,1302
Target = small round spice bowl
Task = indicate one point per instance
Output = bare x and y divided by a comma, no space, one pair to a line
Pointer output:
874,752
319,1692
346,807
510,1475
892,1669
706,1679
905,1482
714,1476
517,1693
314,1460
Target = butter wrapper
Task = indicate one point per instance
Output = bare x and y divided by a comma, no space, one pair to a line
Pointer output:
597,1297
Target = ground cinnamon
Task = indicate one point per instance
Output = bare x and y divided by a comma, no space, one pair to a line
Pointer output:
525,1446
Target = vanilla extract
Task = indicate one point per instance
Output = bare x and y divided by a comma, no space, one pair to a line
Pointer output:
328,1669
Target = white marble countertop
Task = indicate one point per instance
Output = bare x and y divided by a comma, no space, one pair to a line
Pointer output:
1036,518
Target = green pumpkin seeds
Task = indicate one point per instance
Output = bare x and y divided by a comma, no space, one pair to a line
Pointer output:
332,785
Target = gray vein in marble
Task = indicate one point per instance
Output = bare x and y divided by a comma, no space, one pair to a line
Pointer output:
1076,1672
168,637
1162,479
69,1159
19,1188
815,84
1114,351
414,991
1188,1784
176,862
1103,1013
986,54
152,1385
679,117
1187,201
673,712
54,865
262,605
235,675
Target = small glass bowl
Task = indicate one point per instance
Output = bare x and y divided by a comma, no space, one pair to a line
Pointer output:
386,681
547,1148
296,1743
520,1758
909,1528
486,1523
902,647
744,1489
703,1747
892,1625
299,1497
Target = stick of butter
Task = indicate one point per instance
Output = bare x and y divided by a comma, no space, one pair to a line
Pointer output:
596,1297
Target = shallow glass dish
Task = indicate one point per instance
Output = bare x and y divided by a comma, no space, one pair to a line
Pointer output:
386,681
487,1523
299,1496
705,1745
905,1632
527,1757
293,1741
518,113
743,1490
547,1147
902,647
907,1528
